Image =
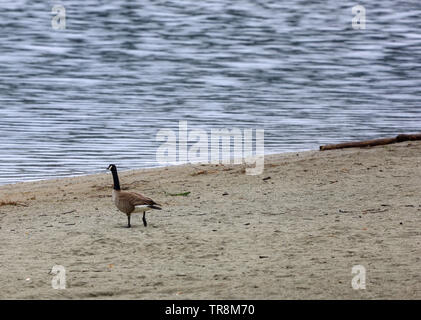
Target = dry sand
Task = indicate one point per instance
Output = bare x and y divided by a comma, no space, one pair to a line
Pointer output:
295,235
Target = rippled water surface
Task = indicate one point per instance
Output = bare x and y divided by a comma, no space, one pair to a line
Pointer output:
72,101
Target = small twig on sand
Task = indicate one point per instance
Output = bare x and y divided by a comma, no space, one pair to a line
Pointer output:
183,194
71,211
12,203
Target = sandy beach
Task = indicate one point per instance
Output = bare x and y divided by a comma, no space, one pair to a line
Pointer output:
294,232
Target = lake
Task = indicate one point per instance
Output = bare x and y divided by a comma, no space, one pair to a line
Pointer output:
74,100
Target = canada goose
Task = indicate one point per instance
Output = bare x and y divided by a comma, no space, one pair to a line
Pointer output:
130,202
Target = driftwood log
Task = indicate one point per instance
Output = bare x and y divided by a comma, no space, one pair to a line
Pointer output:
371,143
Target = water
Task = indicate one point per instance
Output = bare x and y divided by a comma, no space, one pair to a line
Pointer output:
73,101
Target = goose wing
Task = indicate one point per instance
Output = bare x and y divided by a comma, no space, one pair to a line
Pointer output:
136,199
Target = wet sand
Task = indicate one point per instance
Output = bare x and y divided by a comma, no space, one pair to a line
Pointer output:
294,232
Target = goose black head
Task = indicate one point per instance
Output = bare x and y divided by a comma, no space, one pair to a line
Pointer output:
112,167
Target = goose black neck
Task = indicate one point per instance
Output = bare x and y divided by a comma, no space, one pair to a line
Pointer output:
115,178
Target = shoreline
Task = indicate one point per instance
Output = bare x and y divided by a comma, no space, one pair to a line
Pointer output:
293,232
145,168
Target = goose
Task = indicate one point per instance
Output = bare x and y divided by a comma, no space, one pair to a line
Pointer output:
130,202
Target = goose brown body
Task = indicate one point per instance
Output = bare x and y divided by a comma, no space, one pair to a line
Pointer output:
128,202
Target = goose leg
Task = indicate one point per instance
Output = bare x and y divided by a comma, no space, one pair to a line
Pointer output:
128,221
144,220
